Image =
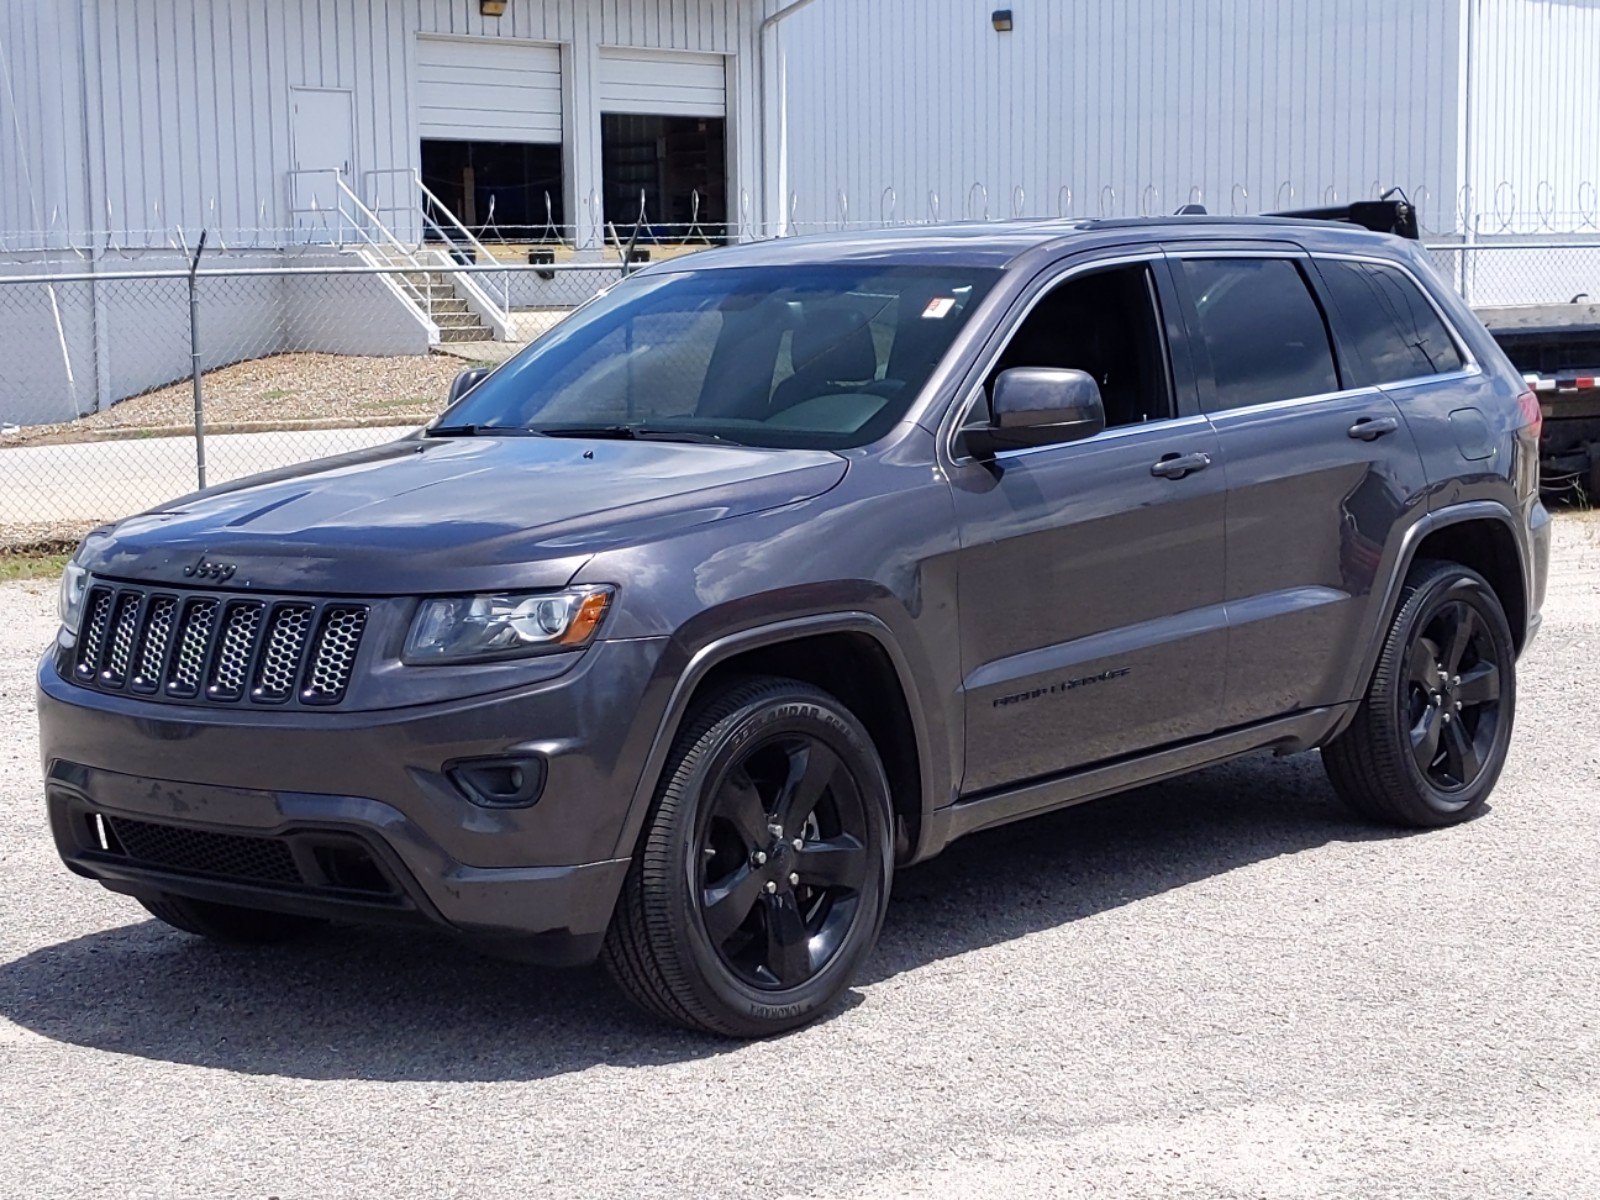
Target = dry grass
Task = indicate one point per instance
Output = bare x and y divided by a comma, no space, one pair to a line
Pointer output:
283,390
31,566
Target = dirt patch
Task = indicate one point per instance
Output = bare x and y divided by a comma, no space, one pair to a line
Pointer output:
282,391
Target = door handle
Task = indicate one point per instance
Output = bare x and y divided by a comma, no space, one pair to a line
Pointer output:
1176,466
1370,429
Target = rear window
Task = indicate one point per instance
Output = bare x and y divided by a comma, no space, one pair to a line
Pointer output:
1394,330
1261,329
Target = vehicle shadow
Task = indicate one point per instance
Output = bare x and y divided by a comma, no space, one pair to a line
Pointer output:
399,1005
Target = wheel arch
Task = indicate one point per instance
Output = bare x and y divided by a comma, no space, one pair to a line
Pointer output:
851,655
1488,546
1479,534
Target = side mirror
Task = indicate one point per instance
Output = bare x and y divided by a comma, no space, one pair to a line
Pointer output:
1039,406
465,382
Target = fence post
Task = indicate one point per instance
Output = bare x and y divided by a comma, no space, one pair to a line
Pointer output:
194,366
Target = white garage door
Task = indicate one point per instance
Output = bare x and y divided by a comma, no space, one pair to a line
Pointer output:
488,90
665,83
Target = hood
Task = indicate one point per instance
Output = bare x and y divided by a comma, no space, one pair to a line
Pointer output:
435,515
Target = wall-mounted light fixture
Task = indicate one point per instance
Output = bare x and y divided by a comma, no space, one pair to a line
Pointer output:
492,8
1002,20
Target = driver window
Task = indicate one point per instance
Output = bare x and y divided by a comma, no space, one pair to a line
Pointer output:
1108,324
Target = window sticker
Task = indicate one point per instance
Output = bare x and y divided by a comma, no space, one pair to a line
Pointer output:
938,308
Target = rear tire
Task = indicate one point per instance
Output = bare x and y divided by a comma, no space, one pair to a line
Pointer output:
761,880
227,922
1431,736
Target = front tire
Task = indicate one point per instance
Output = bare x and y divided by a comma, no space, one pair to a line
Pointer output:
1431,736
763,875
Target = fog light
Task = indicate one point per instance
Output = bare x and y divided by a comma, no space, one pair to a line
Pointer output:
500,782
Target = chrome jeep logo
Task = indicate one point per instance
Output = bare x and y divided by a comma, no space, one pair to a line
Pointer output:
201,569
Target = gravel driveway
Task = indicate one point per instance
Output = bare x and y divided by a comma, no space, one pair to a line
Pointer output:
1220,986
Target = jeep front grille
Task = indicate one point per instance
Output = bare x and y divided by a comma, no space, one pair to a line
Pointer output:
218,649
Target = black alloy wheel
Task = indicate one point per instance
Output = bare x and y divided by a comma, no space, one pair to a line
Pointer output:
761,879
783,860
1453,698
1428,742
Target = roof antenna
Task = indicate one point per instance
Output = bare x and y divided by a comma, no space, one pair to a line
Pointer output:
1191,210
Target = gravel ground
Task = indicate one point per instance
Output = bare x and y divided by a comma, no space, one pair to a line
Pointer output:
279,391
1220,986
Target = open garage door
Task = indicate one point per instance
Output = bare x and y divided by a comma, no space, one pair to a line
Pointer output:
488,90
663,83
663,143
489,112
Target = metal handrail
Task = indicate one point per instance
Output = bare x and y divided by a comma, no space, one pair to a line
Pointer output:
432,203
420,297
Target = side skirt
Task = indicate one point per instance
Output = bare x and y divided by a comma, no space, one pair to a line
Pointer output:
1287,735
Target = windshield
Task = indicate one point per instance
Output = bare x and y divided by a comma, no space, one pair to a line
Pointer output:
821,357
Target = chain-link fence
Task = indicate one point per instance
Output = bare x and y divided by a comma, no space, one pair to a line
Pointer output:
126,386
1510,272
157,371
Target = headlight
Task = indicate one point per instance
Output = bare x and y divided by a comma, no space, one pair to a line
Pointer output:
69,600
481,628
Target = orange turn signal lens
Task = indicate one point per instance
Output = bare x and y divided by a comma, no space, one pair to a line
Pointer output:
587,619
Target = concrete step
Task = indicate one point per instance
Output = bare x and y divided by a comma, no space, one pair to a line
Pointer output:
447,304
466,334
457,320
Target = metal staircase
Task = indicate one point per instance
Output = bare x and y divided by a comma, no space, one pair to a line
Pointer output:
435,294
451,302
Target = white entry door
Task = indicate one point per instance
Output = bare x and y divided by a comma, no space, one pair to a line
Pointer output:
322,143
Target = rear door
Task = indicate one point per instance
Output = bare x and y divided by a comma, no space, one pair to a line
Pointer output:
1399,341
1090,575
1319,469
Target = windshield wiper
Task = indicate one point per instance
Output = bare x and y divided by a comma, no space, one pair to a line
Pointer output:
636,433
479,430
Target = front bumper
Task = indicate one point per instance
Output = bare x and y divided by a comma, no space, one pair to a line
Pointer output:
353,815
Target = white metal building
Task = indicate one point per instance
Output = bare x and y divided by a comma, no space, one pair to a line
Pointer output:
136,117
127,126
369,131
1486,111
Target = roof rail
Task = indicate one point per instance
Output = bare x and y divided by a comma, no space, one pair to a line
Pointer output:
1392,214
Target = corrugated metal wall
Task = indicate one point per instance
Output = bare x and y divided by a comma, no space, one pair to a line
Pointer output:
1132,104
1535,158
41,120
187,100
181,117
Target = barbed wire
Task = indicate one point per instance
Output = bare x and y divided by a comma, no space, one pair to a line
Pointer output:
1505,209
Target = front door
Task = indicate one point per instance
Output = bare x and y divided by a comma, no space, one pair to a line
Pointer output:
323,152
1091,573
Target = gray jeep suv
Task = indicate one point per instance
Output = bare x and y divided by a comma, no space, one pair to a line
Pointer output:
784,565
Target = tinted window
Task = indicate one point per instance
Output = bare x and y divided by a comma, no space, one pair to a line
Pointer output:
1394,329
1261,329
817,356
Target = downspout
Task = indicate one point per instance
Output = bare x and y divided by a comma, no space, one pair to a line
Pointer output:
1469,195
769,26
94,194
